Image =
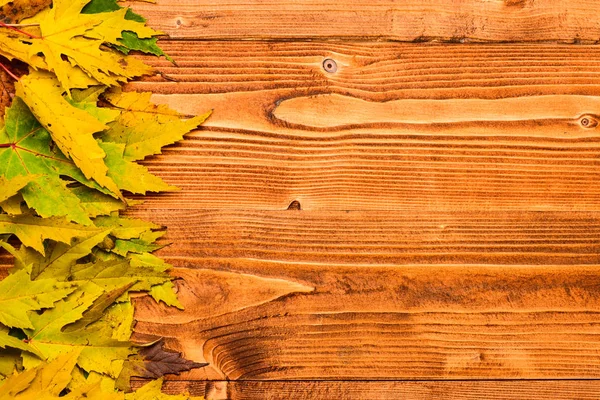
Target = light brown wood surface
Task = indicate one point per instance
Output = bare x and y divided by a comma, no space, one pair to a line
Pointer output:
398,126
361,297
407,20
345,390
426,212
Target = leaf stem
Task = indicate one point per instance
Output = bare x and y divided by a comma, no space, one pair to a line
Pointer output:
9,72
18,30
21,25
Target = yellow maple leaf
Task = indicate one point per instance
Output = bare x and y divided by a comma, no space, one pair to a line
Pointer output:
71,128
70,44
114,23
43,382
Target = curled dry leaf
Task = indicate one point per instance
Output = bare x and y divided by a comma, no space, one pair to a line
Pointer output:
13,11
7,91
159,361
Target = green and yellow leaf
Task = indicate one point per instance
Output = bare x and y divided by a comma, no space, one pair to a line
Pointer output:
19,295
71,128
144,127
32,230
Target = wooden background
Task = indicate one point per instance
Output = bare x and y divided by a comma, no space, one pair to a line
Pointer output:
421,223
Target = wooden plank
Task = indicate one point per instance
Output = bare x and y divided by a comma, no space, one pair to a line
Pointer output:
529,390
428,322
375,295
389,390
458,20
477,127
380,238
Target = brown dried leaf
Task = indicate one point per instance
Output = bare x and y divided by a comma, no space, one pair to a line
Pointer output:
154,362
6,89
7,83
17,10
159,361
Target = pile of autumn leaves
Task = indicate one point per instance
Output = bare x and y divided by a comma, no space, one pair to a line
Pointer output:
69,149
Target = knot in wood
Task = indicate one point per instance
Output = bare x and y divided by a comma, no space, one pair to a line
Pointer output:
329,65
295,205
588,121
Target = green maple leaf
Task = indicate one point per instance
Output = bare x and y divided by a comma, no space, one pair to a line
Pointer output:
145,244
135,240
32,230
110,274
100,6
129,175
132,238
149,269
160,292
95,203
72,124
26,150
50,196
11,187
144,127
129,40
19,295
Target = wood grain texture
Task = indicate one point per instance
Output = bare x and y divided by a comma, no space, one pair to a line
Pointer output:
524,390
389,390
320,238
397,323
414,20
397,126
375,295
